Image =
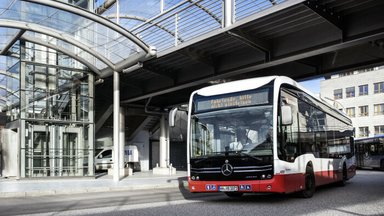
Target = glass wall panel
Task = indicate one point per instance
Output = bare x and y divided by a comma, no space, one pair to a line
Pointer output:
54,101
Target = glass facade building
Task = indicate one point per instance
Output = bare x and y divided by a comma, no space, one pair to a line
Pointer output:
48,99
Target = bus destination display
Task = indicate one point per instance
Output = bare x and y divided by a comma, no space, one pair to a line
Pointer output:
241,100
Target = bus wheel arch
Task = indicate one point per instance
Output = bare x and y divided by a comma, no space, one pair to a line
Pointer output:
309,182
344,175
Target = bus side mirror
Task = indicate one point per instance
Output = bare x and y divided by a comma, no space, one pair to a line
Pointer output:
286,114
172,117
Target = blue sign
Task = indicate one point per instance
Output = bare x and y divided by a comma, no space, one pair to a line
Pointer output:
210,187
245,187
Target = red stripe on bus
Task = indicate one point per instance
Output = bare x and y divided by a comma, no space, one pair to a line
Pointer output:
280,183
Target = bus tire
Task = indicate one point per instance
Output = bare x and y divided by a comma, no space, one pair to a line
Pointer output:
234,194
344,178
382,164
309,183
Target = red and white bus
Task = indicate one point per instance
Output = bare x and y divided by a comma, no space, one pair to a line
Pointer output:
268,135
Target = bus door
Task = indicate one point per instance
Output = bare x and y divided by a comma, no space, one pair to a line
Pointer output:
360,155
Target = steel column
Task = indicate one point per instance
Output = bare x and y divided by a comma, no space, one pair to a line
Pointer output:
122,142
116,125
228,13
163,144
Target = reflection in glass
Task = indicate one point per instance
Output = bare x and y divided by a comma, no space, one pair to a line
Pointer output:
235,130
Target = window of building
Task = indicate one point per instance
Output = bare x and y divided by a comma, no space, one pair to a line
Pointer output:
378,87
379,129
350,92
350,111
363,90
363,110
363,131
338,93
379,109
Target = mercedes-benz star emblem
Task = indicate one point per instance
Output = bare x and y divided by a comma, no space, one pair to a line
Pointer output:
227,169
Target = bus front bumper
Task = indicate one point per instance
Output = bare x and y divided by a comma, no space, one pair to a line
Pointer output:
278,184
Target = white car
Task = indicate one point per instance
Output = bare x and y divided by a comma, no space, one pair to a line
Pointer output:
104,160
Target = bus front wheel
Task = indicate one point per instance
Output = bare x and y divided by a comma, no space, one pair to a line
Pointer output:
309,184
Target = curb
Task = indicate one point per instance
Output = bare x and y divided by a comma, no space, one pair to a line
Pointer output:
36,193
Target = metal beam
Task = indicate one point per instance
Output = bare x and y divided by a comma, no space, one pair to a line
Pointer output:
54,33
158,72
8,74
62,50
105,6
199,56
4,101
131,60
12,92
326,13
59,67
11,42
255,43
250,68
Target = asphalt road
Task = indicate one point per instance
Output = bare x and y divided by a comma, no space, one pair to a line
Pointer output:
363,195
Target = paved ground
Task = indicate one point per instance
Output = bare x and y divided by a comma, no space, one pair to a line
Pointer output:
363,195
39,187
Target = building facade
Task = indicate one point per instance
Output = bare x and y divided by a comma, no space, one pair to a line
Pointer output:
360,94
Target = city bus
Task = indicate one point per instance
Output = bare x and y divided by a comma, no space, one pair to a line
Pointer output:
266,134
370,152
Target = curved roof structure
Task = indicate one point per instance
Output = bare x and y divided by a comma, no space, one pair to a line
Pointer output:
101,45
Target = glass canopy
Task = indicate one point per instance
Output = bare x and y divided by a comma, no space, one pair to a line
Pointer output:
95,43
81,34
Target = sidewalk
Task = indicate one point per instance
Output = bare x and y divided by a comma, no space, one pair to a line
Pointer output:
42,187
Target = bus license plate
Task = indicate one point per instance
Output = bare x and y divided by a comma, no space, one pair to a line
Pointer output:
228,188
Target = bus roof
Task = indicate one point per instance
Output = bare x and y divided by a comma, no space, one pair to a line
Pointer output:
235,86
248,84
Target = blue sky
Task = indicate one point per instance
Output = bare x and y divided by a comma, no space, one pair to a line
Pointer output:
312,85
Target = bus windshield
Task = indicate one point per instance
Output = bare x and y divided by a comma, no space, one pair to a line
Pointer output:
243,131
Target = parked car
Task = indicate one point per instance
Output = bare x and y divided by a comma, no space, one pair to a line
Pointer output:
104,159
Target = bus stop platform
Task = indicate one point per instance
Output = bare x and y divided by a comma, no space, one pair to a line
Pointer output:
101,183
